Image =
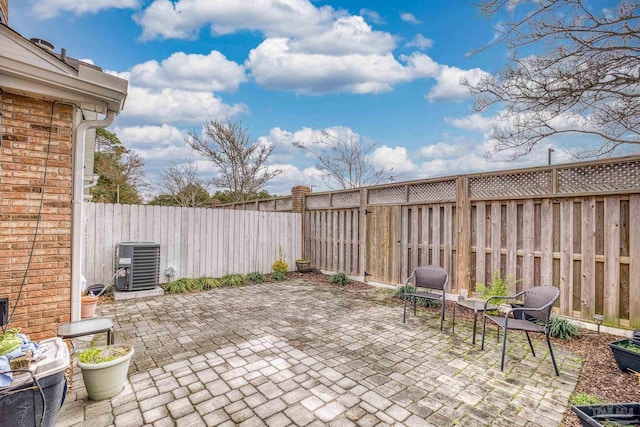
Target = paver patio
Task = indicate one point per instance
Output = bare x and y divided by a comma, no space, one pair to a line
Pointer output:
297,353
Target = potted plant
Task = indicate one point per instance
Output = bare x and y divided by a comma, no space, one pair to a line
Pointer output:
104,369
303,265
627,354
88,304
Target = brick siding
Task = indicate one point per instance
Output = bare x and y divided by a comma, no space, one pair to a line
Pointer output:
46,297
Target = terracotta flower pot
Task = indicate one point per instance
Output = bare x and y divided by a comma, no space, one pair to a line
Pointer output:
88,306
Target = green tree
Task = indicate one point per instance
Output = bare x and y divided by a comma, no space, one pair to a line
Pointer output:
226,197
121,172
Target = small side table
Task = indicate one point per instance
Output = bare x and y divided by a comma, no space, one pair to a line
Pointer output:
84,327
471,304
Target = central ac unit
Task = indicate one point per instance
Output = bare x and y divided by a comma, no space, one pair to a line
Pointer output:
138,265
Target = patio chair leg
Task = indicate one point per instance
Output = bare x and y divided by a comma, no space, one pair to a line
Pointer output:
404,313
498,335
530,345
484,327
504,349
442,316
553,359
415,300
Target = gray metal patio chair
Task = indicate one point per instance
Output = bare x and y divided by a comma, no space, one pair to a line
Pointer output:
537,304
430,278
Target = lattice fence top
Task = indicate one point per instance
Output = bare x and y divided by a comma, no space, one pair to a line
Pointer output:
432,191
387,195
600,178
284,204
319,201
349,199
511,185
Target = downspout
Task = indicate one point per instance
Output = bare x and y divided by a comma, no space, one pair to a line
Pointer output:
77,208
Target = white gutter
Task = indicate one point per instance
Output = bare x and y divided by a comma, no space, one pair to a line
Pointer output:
77,208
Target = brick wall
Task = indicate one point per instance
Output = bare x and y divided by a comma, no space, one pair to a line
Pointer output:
4,10
46,296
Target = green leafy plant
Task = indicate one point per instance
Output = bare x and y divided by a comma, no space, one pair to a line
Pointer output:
560,327
278,275
94,355
497,287
584,399
233,280
422,302
340,279
280,266
209,283
630,346
256,276
180,286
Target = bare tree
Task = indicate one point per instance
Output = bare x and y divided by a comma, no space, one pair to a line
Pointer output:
181,183
240,163
345,161
586,81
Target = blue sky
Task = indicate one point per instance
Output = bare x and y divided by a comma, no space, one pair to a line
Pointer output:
379,71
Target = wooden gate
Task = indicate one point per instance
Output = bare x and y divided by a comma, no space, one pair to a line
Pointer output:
383,244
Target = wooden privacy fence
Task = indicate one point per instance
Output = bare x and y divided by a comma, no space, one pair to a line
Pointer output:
576,226
196,241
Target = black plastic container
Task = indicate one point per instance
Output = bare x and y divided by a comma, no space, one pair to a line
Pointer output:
626,359
623,414
22,403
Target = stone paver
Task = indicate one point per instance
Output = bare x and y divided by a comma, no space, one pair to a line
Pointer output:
302,354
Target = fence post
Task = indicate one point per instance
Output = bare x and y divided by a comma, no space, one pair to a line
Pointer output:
463,215
298,194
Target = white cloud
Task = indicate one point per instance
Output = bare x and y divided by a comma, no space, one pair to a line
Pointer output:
448,84
273,64
45,9
175,105
443,149
212,72
184,18
473,122
392,159
348,35
420,41
410,18
372,16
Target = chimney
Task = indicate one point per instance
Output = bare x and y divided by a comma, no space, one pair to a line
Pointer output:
4,12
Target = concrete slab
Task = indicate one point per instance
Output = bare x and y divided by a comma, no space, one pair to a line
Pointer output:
127,295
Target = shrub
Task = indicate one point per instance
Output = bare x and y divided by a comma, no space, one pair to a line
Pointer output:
208,283
256,276
280,266
584,399
180,286
422,302
340,279
560,327
497,287
233,280
278,275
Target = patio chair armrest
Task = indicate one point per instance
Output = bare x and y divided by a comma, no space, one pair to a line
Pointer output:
486,303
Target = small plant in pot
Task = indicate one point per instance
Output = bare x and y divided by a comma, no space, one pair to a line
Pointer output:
627,353
105,369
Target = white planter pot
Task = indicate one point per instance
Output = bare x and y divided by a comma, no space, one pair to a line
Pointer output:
105,380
